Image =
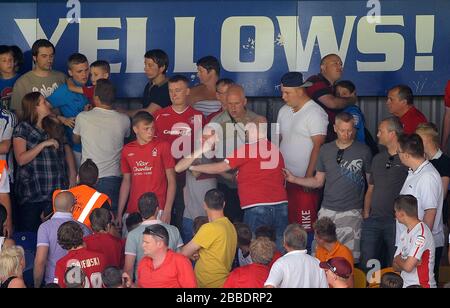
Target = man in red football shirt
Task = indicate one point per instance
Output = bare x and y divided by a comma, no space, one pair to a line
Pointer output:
147,166
70,237
177,124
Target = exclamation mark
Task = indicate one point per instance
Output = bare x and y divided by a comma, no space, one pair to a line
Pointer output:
424,42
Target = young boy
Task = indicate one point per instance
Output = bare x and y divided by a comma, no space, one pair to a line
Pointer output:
8,75
99,70
147,166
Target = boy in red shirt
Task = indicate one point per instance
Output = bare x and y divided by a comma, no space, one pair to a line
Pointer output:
103,241
70,237
147,166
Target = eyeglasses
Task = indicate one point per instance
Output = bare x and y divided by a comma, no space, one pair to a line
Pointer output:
340,156
390,162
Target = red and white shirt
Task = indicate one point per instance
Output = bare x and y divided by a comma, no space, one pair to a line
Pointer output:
147,165
90,262
172,125
418,243
260,174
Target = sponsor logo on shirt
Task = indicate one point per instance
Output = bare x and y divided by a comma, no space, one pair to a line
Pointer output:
178,131
130,154
142,166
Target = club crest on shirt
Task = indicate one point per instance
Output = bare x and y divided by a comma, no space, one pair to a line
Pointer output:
420,241
155,152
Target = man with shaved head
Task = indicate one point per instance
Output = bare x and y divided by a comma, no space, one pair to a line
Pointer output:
48,250
322,90
233,121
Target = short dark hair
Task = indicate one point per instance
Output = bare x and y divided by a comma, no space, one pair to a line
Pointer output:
6,49
158,56
224,81
148,204
404,93
18,56
391,280
105,91
266,231
214,199
112,277
326,229
100,219
244,233
158,231
209,63
407,204
412,144
104,65
70,235
132,221
198,222
295,237
346,84
3,216
344,117
41,43
88,173
177,78
76,58
142,116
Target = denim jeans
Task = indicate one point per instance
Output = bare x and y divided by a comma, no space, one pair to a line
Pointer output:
378,241
110,186
187,232
275,216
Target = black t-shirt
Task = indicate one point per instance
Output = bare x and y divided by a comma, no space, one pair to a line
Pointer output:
156,94
442,165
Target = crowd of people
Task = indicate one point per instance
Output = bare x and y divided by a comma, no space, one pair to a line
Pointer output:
188,191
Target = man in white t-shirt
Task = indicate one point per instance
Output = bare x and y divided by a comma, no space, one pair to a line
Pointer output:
424,183
101,132
296,269
415,254
303,128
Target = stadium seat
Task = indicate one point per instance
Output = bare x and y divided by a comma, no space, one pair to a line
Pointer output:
360,281
28,241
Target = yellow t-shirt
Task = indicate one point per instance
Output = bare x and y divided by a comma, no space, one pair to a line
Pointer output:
218,240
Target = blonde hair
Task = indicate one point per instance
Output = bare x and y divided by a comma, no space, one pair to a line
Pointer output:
10,261
430,130
262,250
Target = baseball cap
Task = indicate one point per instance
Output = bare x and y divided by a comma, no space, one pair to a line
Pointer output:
338,265
294,79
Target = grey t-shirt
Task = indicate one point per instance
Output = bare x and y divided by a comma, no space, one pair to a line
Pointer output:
345,182
387,183
30,82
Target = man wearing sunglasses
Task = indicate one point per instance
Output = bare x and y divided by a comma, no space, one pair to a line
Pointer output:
386,180
345,165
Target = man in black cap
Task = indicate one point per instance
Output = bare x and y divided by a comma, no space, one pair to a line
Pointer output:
303,128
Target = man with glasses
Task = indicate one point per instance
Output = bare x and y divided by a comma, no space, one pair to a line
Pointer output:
386,180
345,164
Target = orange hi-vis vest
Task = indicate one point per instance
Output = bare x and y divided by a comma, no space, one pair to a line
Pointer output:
3,167
87,200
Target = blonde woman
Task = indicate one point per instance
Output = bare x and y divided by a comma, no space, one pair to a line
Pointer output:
12,264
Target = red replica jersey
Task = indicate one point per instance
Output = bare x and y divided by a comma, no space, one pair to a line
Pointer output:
90,262
110,246
147,165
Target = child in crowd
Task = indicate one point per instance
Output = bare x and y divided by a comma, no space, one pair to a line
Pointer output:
8,75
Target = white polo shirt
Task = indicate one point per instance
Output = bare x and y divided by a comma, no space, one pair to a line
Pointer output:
426,185
297,269
296,129
418,243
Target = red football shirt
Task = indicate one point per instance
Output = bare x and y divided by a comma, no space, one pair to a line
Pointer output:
89,93
248,276
447,95
147,165
110,246
92,263
260,177
276,256
171,125
412,119
175,272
